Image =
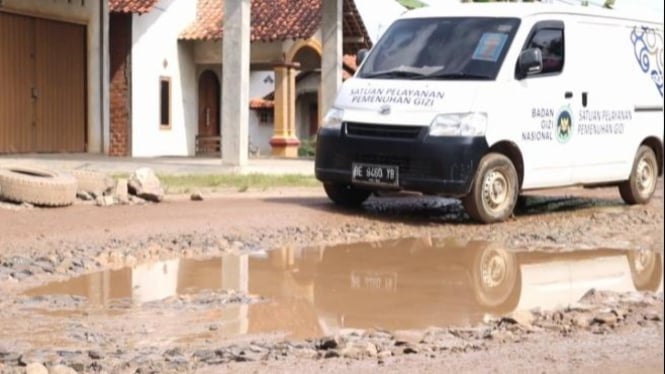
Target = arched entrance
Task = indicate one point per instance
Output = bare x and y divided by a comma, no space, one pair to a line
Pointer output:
208,139
307,83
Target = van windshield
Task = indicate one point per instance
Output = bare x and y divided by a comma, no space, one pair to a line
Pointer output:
453,48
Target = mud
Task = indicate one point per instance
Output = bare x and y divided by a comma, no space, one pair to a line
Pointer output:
284,282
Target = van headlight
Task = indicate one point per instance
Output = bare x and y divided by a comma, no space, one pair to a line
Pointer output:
459,124
333,119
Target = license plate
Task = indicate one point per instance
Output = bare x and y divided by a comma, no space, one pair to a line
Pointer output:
363,280
384,175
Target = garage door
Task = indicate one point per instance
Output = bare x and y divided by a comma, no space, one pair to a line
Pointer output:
42,85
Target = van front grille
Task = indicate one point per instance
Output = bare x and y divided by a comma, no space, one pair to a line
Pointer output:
382,131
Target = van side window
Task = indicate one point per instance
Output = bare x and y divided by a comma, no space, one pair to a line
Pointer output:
550,42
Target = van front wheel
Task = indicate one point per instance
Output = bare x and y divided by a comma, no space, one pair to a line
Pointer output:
641,185
494,191
345,195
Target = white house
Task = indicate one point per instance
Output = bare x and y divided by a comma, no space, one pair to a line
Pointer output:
166,65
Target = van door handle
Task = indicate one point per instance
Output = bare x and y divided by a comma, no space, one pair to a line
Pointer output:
585,99
568,95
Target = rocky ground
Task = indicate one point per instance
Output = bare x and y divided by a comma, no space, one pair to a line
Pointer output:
43,245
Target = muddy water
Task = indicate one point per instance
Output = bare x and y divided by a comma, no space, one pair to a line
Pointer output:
401,284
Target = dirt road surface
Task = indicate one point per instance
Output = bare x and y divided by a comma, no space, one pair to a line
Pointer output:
284,281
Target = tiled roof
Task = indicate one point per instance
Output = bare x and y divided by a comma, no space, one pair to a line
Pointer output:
131,6
259,103
277,20
271,20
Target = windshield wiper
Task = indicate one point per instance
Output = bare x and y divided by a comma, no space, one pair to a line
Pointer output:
394,73
460,75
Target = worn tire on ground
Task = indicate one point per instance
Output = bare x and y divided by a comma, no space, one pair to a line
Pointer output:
38,186
92,181
346,195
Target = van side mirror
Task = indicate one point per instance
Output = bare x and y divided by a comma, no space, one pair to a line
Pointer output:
529,62
360,56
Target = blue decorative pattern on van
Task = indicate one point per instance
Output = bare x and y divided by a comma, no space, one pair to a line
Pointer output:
648,49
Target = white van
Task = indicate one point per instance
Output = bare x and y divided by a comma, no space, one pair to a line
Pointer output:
483,101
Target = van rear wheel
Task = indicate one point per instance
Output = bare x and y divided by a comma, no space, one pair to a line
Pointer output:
494,191
641,185
345,195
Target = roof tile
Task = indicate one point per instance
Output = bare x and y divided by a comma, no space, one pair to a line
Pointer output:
274,20
131,6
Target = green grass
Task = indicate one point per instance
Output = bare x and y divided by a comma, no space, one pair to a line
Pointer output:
240,183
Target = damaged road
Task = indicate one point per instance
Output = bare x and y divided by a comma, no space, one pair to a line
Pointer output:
284,281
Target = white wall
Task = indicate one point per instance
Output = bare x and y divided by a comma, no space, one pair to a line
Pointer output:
260,134
157,53
96,21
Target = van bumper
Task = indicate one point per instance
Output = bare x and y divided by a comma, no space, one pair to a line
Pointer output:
432,165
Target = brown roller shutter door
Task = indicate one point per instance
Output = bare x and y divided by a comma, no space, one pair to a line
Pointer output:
42,85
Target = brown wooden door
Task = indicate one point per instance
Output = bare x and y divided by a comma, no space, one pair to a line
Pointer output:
16,81
43,98
60,71
209,92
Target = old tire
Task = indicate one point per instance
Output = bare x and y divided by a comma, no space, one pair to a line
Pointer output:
92,182
643,179
345,195
494,190
37,186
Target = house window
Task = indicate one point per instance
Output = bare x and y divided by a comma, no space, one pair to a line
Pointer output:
165,102
265,116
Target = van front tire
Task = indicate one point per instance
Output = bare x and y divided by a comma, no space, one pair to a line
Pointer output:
494,191
346,195
641,185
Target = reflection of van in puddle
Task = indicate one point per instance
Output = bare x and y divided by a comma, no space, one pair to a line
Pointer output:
395,283
483,101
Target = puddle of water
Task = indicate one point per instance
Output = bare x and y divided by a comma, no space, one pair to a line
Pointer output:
399,284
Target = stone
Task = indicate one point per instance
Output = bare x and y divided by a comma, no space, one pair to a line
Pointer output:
95,355
328,343
520,317
84,195
36,368
105,200
306,353
62,369
384,354
581,320
331,354
359,350
78,367
605,318
410,350
144,183
121,191
652,315
196,196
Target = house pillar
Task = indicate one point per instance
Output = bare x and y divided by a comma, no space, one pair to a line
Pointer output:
235,82
331,64
284,142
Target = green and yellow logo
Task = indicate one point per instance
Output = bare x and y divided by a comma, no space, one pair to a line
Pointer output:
564,125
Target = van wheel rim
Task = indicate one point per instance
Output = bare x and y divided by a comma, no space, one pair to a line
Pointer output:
495,190
645,176
493,270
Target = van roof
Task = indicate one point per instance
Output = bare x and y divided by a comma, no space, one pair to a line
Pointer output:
521,10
